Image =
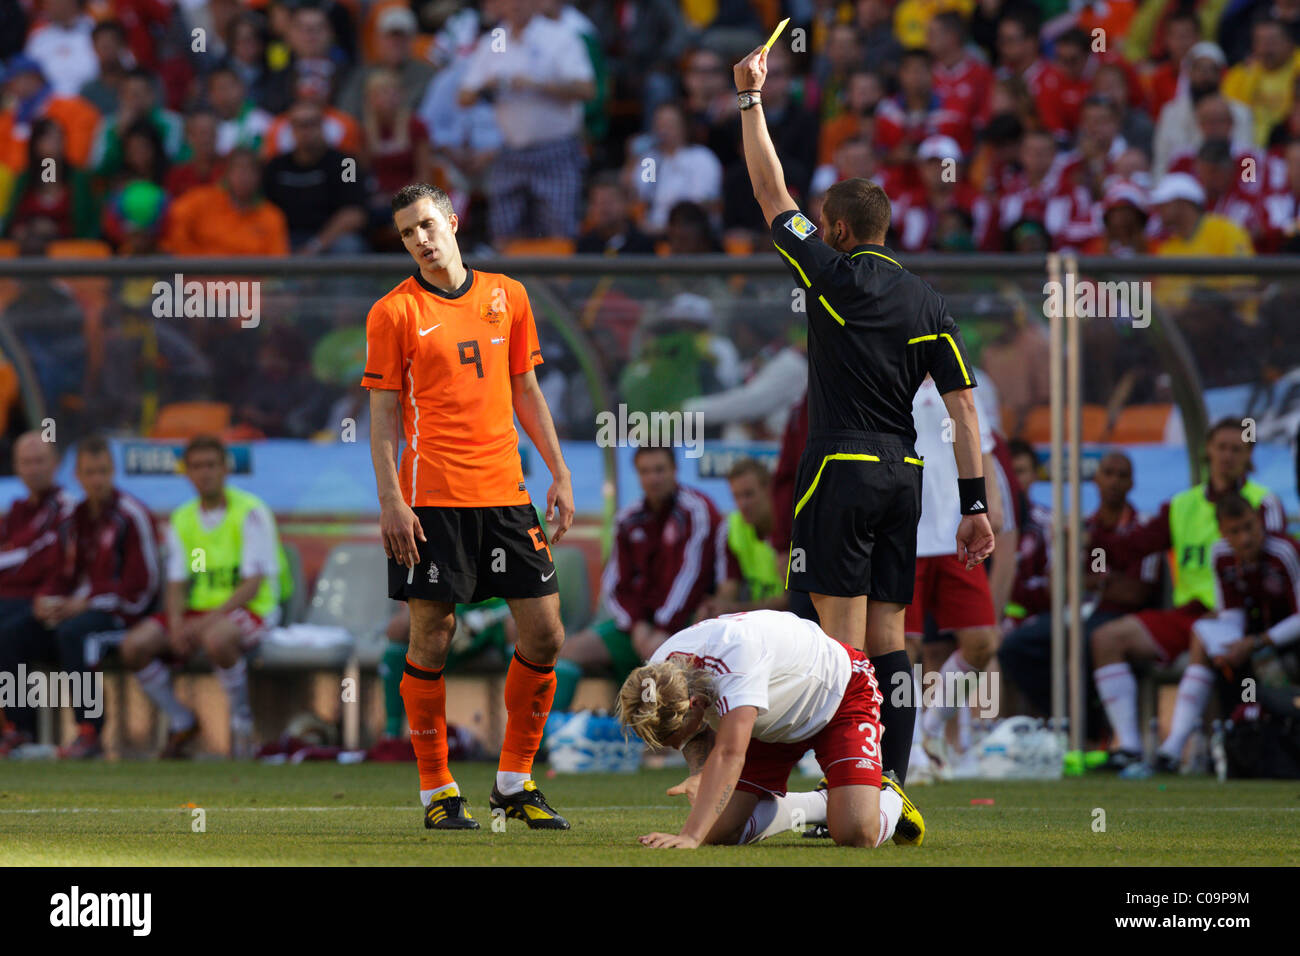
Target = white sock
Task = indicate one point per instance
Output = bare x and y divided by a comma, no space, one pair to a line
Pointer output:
917,730
156,681
773,815
1118,688
1193,691
447,790
509,784
891,808
235,680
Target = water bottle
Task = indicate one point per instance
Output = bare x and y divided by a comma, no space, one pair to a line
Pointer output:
1218,752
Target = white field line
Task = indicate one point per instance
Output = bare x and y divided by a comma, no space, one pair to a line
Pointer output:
622,809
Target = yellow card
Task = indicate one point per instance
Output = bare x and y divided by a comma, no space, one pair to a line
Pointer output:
775,33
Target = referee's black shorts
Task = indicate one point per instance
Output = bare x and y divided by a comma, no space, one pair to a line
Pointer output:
857,503
472,554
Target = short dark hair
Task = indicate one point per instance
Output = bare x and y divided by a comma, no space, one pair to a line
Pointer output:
410,195
204,443
1216,152
860,203
93,445
953,22
1232,506
647,449
1076,38
1226,423
749,466
109,26
1027,20
1018,446
916,53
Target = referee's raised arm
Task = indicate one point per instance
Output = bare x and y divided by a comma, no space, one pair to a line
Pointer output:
765,173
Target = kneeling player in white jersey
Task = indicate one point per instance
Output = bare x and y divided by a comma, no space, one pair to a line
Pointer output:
744,696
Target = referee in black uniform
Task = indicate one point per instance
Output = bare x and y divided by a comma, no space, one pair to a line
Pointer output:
874,332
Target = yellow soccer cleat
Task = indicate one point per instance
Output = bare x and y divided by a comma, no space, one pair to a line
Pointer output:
528,805
910,829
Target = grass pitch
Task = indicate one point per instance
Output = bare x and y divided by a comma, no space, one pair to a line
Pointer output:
324,814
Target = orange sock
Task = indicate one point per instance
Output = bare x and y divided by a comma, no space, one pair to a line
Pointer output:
424,695
530,688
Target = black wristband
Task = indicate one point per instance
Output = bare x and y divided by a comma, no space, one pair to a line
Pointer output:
974,500
738,92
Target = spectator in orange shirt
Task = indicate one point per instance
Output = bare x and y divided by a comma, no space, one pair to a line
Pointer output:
865,89
30,97
1019,56
229,218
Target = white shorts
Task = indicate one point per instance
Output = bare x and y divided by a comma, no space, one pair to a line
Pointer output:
1218,632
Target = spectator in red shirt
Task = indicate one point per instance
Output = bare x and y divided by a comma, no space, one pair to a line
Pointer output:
919,214
1181,32
1282,206
1220,175
660,569
915,113
1019,56
204,166
105,578
963,81
395,148
1072,59
1258,578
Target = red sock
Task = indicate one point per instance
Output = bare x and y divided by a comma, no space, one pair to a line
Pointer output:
530,688
424,695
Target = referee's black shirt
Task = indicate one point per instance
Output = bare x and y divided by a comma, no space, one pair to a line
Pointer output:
874,331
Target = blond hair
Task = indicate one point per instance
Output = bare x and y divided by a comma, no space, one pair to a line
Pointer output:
655,699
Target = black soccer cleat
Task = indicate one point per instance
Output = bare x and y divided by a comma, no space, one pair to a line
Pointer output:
1118,760
449,813
910,829
528,805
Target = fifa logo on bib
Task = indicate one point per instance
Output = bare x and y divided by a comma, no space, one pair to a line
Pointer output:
433,574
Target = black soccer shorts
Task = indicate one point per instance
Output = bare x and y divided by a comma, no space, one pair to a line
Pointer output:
472,554
857,503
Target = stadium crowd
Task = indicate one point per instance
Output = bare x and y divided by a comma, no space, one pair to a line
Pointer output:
215,127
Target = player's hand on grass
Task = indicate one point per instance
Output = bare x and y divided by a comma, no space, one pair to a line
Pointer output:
974,539
559,501
663,841
400,529
688,788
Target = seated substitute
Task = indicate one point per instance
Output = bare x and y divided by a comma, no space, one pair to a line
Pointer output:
744,696
1257,575
224,571
748,571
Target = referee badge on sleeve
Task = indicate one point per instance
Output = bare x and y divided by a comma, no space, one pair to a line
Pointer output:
800,225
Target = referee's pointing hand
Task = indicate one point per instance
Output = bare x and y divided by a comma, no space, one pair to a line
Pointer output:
974,539
400,527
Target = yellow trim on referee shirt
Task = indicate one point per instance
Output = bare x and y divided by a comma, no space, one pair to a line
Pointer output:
834,315
955,350
802,274
868,252
914,461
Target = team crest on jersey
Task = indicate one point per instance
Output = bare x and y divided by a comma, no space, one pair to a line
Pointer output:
800,225
490,315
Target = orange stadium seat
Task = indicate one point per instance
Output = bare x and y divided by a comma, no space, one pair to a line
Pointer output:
187,419
1038,424
549,246
79,249
8,248
738,245
1141,423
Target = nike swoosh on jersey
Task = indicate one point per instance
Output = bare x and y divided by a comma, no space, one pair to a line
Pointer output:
424,332
547,577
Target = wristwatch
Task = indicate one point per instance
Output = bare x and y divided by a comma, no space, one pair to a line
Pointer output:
749,99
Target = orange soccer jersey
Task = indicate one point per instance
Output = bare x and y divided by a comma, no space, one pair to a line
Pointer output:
451,355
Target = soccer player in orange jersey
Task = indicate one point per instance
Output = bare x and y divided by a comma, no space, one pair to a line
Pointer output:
452,350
